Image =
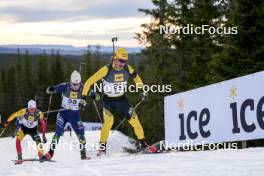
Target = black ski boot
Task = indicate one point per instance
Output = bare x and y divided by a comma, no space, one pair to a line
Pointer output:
19,158
143,145
40,155
84,156
54,142
48,156
82,148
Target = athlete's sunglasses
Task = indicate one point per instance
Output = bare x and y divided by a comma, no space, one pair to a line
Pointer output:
122,61
31,110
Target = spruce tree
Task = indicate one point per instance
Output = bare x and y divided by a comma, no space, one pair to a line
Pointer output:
28,79
243,52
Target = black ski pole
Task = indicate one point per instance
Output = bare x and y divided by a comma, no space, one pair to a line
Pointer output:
3,130
113,41
50,98
98,114
51,111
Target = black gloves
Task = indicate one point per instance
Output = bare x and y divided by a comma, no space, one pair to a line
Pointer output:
50,90
82,103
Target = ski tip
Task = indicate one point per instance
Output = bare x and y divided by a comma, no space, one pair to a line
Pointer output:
32,160
17,163
87,158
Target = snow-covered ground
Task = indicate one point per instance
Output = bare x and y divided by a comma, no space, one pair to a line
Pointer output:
117,163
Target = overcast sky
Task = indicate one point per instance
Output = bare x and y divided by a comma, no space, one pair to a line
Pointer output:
71,22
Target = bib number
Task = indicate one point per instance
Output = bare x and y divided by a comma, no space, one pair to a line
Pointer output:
72,102
69,103
114,89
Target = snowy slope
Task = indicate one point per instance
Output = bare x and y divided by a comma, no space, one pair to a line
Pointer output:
223,163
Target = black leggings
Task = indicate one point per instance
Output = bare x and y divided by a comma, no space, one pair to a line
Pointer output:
33,132
120,104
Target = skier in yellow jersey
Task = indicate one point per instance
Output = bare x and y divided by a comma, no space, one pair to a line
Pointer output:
29,118
114,77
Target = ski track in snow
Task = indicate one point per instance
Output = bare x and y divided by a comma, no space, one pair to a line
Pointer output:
244,162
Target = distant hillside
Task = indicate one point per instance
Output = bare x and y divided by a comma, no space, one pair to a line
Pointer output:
63,49
8,60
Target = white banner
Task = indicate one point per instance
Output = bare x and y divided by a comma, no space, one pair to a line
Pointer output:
91,126
227,111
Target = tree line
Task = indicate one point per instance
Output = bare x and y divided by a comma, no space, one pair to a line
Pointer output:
188,61
29,76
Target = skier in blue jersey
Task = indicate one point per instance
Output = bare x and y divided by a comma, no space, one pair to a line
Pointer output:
71,97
